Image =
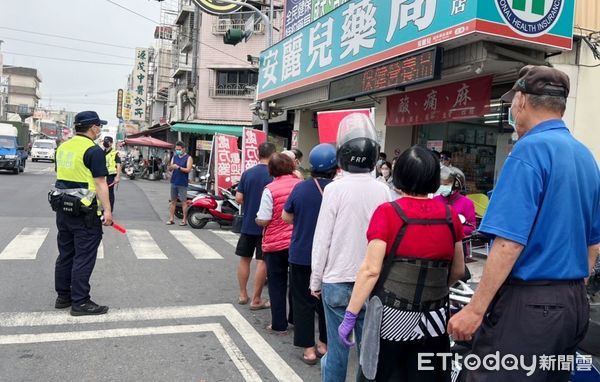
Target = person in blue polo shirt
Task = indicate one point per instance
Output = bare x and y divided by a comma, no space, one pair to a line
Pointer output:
545,217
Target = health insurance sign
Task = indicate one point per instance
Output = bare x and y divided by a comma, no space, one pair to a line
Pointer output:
362,33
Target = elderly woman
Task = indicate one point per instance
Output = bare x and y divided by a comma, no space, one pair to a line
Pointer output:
414,254
452,181
277,236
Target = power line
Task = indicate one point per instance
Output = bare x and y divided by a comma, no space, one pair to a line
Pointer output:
68,47
134,12
68,59
67,38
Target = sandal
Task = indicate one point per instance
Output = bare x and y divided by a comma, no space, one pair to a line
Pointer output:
265,305
243,301
170,222
182,224
308,361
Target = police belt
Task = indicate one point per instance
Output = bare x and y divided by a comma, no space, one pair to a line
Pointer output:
70,202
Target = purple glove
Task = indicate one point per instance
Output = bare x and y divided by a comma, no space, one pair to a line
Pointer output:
345,328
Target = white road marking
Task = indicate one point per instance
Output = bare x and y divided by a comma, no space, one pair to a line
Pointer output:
198,248
280,369
100,250
143,245
25,245
230,237
232,350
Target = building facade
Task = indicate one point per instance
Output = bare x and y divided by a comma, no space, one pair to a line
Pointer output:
23,90
432,73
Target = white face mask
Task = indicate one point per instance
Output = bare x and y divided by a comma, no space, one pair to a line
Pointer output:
444,190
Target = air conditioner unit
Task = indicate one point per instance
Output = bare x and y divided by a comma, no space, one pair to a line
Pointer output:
223,25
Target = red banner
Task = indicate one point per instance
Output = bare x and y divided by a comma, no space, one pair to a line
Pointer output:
329,121
250,142
227,161
456,101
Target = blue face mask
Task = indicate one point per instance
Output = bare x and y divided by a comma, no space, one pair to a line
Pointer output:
511,119
178,152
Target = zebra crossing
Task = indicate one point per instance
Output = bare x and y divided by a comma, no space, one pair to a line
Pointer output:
28,244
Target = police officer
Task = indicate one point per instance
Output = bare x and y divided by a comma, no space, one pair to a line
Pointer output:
113,165
81,194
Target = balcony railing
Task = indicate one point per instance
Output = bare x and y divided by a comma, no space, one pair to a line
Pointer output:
19,109
232,91
221,25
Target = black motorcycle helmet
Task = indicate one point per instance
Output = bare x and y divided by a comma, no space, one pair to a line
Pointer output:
357,147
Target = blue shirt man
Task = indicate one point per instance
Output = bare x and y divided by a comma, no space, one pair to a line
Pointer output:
545,217
248,194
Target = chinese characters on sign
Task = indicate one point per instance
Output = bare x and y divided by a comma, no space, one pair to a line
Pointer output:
297,15
403,71
140,84
227,161
127,105
250,142
120,103
461,100
323,7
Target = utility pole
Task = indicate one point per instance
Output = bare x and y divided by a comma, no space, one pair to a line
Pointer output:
268,20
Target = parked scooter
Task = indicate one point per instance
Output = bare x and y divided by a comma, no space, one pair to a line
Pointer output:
194,190
208,207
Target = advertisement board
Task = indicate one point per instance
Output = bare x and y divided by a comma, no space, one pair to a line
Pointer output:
228,166
250,141
329,121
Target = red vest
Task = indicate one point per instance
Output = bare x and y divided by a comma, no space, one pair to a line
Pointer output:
278,234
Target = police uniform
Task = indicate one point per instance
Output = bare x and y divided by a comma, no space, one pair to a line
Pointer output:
112,159
78,161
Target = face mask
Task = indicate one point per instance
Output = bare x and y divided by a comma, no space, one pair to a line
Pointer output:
179,152
445,191
385,173
511,119
379,162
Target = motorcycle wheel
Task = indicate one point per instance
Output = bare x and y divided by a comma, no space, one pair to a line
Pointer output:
179,212
132,176
194,219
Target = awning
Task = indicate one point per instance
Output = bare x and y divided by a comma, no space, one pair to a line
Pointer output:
202,128
148,142
150,132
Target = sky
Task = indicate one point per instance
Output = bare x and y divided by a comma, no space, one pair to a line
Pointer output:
77,86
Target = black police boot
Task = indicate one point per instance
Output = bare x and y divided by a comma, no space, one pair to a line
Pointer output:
62,302
89,308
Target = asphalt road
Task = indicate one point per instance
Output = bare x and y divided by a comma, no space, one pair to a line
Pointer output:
172,293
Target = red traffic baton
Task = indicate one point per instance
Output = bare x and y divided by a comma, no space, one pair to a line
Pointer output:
116,226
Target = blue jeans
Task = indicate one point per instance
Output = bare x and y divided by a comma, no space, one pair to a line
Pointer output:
335,301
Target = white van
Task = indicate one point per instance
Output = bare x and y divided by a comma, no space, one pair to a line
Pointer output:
43,149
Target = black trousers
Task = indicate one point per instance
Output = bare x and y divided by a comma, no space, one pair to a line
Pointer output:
305,307
77,250
532,320
111,191
399,361
277,280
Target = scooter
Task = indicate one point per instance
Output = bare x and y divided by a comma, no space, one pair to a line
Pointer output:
220,209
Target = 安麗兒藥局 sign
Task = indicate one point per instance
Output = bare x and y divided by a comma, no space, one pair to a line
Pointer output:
361,33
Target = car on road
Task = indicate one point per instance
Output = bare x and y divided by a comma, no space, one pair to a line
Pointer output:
43,149
12,156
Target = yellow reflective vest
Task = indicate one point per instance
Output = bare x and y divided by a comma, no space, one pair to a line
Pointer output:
111,162
70,166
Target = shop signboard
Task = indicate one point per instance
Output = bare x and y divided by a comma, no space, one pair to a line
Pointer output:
297,15
323,7
250,141
203,145
227,161
140,84
120,104
436,145
329,121
127,105
363,33
451,102
295,134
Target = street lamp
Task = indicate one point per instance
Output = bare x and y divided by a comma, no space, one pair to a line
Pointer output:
269,25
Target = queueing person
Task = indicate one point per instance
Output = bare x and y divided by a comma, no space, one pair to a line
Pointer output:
340,244
545,217
302,210
248,194
80,196
386,174
181,166
277,237
113,165
452,183
414,255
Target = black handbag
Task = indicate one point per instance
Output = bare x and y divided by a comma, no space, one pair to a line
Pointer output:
236,227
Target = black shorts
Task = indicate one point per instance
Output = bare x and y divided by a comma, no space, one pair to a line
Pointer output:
247,244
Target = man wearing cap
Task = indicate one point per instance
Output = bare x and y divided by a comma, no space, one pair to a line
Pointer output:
113,165
545,217
80,196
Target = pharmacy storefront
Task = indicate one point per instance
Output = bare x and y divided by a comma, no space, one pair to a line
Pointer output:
432,71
